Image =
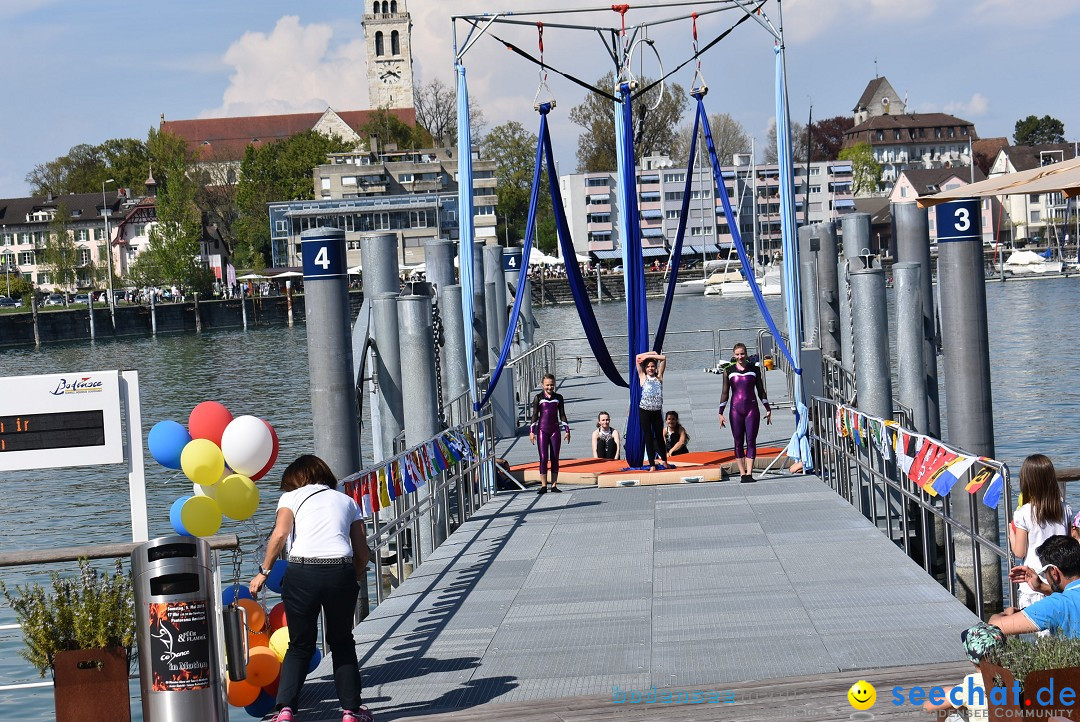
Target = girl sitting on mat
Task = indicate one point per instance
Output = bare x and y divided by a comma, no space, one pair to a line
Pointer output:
650,366
548,419
743,381
676,439
606,443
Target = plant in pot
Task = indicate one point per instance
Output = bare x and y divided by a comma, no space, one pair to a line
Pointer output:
83,629
1044,666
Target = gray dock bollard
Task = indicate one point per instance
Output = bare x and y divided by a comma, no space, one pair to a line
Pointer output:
480,339
962,285
333,389
387,370
911,231
439,258
871,341
910,369
847,354
828,290
455,372
809,293
379,264
420,397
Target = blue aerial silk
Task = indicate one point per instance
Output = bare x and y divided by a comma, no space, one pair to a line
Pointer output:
799,446
465,225
637,313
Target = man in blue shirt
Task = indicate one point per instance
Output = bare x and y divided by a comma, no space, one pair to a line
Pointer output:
1059,612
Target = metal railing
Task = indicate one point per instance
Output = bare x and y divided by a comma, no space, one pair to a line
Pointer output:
529,369
926,526
460,490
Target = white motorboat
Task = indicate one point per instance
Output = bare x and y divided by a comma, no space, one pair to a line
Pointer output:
1028,262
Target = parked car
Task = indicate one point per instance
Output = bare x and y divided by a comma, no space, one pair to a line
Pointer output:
81,298
6,302
54,299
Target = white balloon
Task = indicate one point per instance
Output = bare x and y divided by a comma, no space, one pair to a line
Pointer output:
210,491
247,445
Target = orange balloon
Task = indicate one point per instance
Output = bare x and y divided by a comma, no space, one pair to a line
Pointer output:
258,639
242,693
263,666
256,615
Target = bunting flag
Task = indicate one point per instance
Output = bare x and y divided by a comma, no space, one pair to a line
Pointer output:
373,492
447,452
933,460
916,464
394,475
946,477
979,479
906,450
458,443
992,495
470,444
856,432
841,424
436,456
406,476
414,472
384,492
884,443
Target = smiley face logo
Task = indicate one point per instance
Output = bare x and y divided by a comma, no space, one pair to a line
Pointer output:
862,695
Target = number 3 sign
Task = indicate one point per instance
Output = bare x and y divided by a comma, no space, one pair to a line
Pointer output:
959,221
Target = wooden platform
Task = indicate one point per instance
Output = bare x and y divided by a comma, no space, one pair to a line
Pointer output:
819,697
698,466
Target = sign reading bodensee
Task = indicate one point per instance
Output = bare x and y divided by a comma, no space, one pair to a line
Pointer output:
59,420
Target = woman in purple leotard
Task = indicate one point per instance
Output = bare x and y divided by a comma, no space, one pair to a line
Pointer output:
744,382
548,419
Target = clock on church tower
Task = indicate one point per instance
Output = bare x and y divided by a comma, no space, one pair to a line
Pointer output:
388,43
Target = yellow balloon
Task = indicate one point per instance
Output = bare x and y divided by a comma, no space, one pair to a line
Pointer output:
279,642
201,516
202,462
237,496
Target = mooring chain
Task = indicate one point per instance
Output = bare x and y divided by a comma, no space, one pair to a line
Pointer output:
851,333
438,340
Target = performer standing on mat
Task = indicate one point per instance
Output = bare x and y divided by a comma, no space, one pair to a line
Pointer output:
743,381
548,419
650,367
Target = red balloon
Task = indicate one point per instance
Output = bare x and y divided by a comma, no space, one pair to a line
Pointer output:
208,421
271,689
277,617
273,455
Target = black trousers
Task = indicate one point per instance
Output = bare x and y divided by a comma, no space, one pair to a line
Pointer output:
306,589
652,428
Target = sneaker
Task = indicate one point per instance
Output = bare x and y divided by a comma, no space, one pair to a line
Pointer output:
556,490
542,490
361,714
284,715
748,478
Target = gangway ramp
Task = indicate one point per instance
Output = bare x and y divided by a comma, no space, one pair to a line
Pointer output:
711,585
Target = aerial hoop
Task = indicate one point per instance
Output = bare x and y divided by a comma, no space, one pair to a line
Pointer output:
630,59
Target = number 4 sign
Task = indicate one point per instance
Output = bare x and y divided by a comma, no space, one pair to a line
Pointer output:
323,254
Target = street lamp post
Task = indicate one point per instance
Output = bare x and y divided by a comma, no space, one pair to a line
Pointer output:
108,251
7,264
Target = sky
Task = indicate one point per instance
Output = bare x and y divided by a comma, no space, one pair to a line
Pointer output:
81,72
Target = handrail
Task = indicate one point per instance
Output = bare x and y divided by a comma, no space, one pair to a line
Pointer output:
864,476
96,551
529,369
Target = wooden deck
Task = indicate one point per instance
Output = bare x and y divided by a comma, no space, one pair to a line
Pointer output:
820,697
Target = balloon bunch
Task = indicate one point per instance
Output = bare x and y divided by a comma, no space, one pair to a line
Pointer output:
268,640
223,457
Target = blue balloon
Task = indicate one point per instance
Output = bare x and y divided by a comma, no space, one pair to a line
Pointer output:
174,516
166,441
315,659
277,573
234,592
262,705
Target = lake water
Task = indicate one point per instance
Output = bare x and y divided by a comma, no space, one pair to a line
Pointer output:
264,372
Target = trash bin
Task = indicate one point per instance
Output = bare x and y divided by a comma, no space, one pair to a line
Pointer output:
176,615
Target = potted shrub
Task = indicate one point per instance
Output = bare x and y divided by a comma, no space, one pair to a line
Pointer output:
1042,663
83,629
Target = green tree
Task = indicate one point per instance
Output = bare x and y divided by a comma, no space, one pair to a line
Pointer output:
83,168
514,151
866,172
1033,130
174,250
60,256
279,171
657,129
387,128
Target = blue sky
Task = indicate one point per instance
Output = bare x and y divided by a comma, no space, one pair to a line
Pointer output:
81,72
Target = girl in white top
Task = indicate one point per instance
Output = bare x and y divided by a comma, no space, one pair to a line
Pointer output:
1042,516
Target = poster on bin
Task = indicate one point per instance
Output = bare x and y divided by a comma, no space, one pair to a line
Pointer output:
180,645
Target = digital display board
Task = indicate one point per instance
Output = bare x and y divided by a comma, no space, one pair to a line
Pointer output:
64,429
59,420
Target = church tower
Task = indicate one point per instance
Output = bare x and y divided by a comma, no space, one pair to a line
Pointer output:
388,40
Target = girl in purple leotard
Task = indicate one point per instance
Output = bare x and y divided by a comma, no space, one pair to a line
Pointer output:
744,382
548,419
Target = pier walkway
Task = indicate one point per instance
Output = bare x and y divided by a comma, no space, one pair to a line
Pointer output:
777,596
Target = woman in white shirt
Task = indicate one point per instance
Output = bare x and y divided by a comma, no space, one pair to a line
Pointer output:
323,531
